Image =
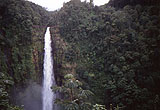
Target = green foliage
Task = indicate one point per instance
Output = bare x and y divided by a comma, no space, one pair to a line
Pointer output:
117,108
14,108
6,83
98,107
75,98
18,43
68,76
118,52
17,38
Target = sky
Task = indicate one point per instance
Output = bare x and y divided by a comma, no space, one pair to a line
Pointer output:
52,5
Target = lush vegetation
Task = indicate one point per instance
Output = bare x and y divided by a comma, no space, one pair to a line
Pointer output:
122,3
111,51
75,98
116,52
20,52
5,83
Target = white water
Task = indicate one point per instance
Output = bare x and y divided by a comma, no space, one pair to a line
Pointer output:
49,80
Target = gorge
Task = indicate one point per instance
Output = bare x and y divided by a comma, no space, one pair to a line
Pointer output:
111,51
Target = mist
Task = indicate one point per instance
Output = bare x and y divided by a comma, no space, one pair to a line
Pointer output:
29,98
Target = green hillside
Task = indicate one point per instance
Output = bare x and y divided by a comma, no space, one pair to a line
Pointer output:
116,52
21,45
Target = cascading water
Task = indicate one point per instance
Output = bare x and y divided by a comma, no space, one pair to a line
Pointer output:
49,80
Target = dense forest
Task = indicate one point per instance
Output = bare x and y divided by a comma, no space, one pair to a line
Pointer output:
105,57
21,47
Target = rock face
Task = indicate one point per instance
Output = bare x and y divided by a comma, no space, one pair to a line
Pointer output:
122,3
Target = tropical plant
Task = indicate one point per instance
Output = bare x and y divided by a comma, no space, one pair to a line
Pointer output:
99,107
75,98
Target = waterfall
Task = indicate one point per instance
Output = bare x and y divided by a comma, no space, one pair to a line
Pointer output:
47,95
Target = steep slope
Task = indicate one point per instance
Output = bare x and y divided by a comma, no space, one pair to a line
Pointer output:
22,27
115,52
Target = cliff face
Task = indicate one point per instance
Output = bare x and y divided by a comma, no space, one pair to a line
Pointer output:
22,28
113,52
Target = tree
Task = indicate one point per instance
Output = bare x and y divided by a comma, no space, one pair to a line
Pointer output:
75,98
5,85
